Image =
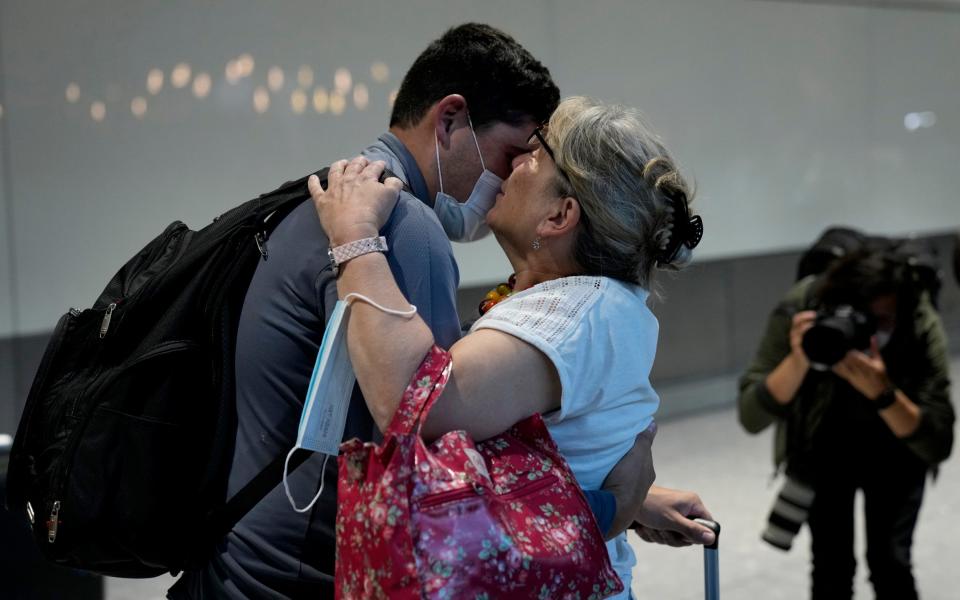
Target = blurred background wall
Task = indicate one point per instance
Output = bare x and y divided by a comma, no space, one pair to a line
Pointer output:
119,117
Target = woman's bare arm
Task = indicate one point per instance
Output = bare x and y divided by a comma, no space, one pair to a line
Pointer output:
497,379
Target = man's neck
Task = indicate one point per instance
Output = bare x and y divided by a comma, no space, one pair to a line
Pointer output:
419,141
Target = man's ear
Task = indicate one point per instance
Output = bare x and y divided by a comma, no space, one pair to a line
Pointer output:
450,114
563,218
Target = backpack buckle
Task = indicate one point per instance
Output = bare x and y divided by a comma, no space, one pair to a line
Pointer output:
261,239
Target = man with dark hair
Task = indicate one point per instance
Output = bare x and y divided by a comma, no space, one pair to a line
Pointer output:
875,419
467,105
503,82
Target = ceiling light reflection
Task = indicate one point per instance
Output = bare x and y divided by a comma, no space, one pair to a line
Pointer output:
180,76
321,101
245,65
379,71
342,81
72,93
232,72
138,106
275,79
361,96
154,81
298,101
98,111
201,85
261,100
338,103
919,120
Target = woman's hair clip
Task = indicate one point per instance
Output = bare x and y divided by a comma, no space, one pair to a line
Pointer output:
695,232
684,231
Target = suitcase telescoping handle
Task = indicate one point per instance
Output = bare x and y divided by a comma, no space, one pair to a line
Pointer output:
711,563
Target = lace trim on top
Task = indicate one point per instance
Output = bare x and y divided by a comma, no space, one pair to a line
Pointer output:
550,309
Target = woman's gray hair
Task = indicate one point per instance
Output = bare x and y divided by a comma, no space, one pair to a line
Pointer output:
624,180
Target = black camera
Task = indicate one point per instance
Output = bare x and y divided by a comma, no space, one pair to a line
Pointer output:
834,333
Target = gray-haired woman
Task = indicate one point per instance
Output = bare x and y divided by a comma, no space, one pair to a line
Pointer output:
585,219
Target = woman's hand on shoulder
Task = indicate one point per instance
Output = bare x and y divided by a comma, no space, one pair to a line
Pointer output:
355,204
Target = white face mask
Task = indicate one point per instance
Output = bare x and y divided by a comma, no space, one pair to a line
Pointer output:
467,221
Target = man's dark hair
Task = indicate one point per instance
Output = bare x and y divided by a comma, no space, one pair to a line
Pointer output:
863,276
499,79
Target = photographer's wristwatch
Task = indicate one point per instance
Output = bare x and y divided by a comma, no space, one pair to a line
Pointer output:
886,398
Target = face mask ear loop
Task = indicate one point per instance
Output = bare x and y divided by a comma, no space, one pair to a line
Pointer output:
286,486
352,296
475,141
436,142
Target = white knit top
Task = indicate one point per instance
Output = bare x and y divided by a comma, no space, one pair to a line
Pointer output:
602,338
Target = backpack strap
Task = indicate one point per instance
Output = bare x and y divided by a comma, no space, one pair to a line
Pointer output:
270,206
228,515
222,520
271,201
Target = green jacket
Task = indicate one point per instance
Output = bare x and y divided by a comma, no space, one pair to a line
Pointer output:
916,364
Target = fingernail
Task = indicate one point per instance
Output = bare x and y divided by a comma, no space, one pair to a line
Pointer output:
708,537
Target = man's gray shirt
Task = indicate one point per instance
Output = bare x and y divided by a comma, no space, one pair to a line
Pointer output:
275,552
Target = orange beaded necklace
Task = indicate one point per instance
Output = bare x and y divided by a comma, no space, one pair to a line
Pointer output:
498,294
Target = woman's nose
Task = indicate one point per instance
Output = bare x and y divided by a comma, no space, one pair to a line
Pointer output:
519,160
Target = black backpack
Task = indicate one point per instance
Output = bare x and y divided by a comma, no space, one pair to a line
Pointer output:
836,242
124,447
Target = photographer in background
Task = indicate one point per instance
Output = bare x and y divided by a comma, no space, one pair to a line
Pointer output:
853,369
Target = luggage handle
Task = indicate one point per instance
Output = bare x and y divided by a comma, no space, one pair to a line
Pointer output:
712,526
711,563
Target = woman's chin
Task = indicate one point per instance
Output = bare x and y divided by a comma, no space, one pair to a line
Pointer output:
492,224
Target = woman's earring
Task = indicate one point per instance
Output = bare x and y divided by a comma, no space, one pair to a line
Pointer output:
536,243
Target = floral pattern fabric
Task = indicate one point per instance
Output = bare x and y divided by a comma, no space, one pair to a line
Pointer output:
503,518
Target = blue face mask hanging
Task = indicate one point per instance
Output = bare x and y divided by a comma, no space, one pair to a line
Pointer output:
325,408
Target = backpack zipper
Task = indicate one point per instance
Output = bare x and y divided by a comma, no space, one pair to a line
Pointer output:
53,522
105,324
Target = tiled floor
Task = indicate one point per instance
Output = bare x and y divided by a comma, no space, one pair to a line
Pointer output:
710,454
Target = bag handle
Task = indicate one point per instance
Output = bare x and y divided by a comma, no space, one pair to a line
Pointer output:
426,385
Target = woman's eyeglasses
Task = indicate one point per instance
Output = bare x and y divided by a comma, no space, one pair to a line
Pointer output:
537,139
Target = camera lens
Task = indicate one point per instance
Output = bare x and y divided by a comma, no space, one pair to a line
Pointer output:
789,513
834,333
